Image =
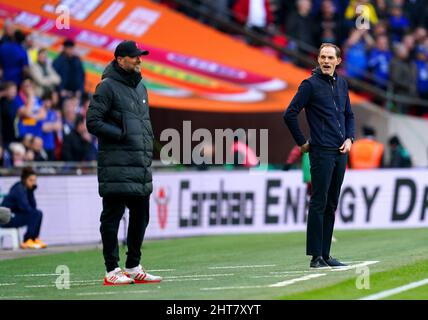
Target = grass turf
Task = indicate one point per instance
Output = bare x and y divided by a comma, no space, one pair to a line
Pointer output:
192,267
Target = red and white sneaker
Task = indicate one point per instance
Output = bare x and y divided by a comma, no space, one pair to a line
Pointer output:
116,278
139,275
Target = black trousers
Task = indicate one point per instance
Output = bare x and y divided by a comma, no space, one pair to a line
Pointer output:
327,173
113,210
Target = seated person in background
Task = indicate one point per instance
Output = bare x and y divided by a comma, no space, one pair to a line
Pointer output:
21,201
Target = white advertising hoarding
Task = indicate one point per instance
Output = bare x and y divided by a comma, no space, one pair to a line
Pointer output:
220,202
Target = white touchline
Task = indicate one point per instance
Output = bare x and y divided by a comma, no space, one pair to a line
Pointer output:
272,276
279,284
200,275
111,292
291,281
250,266
362,264
391,292
188,279
294,272
72,284
352,265
161,270
42,274
229,288
7,284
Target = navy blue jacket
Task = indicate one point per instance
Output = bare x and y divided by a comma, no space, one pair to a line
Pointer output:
20,200
328,111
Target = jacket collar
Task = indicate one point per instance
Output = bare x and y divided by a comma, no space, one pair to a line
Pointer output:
317,72
113,71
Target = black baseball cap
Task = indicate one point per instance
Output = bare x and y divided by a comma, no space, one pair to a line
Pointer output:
129,49
68,43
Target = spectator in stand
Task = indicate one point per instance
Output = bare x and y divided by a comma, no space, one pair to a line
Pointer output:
22,202
382,9
30,114
399,155
379,59
357,8
79,144
44,75
17,155
330,24
70,68
255,14
422,71
13,59
38,149
409,42
356,48
420,35
70,110
9,30
9,106
31,48
380,29
398,23
300,27
402,73
414,10
221,9
86,100
339,5
51,126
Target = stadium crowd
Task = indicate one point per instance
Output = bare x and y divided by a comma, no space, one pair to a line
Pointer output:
42,103
384,42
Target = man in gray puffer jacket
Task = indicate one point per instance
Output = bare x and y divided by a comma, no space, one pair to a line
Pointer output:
119,116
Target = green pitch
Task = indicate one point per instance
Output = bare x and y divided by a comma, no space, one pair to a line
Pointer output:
261,266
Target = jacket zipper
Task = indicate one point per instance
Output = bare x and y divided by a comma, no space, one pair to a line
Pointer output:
337,110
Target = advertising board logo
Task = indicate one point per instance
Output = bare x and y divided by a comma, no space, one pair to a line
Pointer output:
162,197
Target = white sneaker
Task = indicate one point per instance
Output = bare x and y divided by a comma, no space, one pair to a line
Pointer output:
139,275
117,277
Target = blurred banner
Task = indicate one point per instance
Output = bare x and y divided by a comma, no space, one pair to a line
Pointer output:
190,66
225,202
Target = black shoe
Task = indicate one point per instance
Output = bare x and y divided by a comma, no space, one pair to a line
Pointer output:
318,262
332,262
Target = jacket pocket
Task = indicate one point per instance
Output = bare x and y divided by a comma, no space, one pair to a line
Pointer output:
124,126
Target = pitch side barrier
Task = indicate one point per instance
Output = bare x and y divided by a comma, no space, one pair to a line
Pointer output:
232,202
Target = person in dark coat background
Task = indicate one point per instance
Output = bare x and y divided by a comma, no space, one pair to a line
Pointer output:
14,59
70,68
21,201
118,116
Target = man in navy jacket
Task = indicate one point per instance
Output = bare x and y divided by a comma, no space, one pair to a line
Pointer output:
331,121
21,201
